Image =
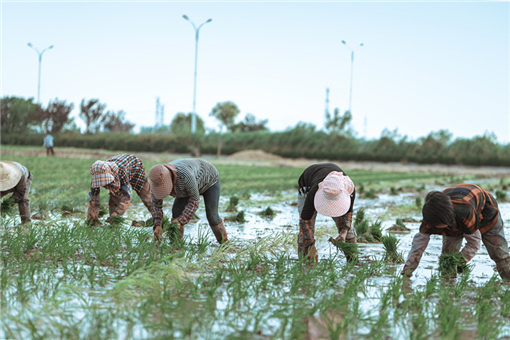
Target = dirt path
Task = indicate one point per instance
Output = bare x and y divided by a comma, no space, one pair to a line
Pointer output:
258,157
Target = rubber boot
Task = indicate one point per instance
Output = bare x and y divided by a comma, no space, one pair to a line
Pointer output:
24,211
220,233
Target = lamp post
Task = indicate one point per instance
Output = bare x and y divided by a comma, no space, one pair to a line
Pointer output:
40,54
197,30
352,65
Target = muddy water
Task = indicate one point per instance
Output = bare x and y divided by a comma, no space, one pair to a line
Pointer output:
286,220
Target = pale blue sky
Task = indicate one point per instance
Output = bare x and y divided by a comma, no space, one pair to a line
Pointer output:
425,66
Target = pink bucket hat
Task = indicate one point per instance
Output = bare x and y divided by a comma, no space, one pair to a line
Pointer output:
161,181
333,198
103,173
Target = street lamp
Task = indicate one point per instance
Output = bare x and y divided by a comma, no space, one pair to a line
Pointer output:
197,30
40,54
352,65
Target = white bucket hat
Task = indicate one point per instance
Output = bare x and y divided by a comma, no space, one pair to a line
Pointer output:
333,198
10,174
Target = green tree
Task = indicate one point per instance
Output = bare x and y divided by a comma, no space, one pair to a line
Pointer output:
338,124
226,113
55,116
18,114
181,124
116,122
250,124
92,114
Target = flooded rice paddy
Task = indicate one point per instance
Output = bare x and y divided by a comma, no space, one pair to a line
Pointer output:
253,288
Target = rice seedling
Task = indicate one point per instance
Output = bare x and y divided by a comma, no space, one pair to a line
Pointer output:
501,196
394,191
268,213
239,217
7,207
449,264
392,255
418,202
398,227
370,193
376,230
349,249
232,204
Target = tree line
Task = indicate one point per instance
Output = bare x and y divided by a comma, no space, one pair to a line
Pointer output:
23,121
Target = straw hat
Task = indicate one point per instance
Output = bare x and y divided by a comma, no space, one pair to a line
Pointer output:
10,174
333,198
161,181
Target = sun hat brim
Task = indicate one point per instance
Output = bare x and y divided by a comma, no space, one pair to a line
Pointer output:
331,206
10,174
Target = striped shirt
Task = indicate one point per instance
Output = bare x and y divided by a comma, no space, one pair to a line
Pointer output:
475,209
131,172
194,177
308,183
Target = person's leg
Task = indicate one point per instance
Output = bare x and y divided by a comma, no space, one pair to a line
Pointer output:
52,151
24,204
47,151
451,244
113,203
497,247
179,205
305,250
211,202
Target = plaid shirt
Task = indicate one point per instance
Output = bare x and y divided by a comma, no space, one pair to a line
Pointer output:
474,208
131,172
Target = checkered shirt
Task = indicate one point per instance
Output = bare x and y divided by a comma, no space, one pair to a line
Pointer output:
474,207
130,172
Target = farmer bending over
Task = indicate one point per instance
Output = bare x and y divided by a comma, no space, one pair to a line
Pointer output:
118,174
464,210
15,178
186,180
324,188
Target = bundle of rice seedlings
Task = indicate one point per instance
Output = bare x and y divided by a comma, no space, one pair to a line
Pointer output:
362,227
268,212
419,202
349,249
7,206
173,231
239,217
164,222
450,264
399,226
360,216
376,230
390,244
232,204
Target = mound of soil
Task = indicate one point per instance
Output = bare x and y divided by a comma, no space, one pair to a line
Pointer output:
255,155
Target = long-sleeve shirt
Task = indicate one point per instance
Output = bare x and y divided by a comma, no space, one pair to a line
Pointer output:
193,178
20,190
309,184
131,174
475,209
476,212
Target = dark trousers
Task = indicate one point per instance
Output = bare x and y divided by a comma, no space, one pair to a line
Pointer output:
211,201
49,150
